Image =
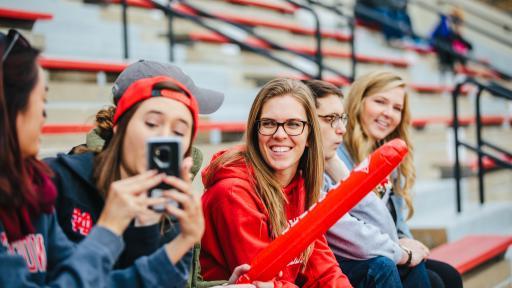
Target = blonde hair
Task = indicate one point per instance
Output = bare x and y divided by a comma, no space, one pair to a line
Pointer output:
359,145
267,186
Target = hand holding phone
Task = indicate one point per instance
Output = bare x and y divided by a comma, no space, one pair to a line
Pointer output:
164,155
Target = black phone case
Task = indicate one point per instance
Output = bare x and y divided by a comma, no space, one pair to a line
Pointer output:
164,155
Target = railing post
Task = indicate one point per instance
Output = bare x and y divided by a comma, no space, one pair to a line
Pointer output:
479,145
352,25
456,166
318,36
125,29
170,34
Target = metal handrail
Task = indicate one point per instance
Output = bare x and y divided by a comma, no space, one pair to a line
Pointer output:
170,12
124,6
244,45
321,66
318,36
352,25
198,20
497,91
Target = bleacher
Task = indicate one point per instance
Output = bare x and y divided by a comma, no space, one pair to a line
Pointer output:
83,59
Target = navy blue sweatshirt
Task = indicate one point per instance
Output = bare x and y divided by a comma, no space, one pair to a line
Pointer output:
47,257
144,262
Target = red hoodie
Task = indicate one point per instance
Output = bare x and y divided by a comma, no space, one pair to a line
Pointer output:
237,229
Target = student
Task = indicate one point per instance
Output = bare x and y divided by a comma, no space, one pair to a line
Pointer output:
34,251
379,111
255,191
146,105
378,271
447,39
395,11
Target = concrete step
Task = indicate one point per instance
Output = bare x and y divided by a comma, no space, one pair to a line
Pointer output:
436,220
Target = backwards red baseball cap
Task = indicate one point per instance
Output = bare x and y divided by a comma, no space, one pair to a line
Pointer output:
159,86
208,100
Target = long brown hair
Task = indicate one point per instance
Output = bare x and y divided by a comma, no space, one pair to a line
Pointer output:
267,186
19,74
107,164
359,145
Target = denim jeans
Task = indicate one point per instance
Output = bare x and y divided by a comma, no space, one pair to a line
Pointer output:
376,272
383,272
414,277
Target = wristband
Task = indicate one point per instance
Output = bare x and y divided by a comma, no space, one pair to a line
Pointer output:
409,255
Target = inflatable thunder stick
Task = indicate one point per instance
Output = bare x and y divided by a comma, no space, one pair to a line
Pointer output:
320,217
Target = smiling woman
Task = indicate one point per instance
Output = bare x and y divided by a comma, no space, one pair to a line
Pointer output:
381,245
253,192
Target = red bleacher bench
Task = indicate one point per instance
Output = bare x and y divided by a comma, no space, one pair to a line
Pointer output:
488,163
471,251
82,65
239,126
56,129
279,7
483,73
336,35
254,22
335,80
134,3
284,8
16,14
215,38
488,120
205,126
438,89
420,88
20,18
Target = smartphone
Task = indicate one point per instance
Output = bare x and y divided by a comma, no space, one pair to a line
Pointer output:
164,155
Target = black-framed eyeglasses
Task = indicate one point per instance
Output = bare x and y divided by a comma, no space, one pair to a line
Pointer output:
336,120
12,39
292,127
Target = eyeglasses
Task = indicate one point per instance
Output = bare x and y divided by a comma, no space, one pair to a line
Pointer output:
11,39
336,120
268,127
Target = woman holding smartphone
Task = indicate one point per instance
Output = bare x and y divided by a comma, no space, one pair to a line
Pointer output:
152,100
378,107
256,191
34,251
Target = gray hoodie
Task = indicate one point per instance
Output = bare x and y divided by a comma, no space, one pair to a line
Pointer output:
367,231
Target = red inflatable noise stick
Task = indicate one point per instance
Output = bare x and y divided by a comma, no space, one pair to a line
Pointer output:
320,217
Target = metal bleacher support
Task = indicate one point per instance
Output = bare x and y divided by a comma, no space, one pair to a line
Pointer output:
499,156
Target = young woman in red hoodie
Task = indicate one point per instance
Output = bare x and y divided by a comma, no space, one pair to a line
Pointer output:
254,192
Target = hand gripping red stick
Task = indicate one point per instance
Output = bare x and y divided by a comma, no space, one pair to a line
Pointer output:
320,217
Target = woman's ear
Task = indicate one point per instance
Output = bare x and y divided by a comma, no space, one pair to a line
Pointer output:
114,129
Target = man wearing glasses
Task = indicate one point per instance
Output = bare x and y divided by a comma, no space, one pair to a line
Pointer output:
366,270
333,120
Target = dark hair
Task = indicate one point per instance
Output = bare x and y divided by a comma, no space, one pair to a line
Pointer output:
108,162
18,77
321,89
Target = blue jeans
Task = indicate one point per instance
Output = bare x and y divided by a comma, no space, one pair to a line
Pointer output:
376,272
416,276
383,272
